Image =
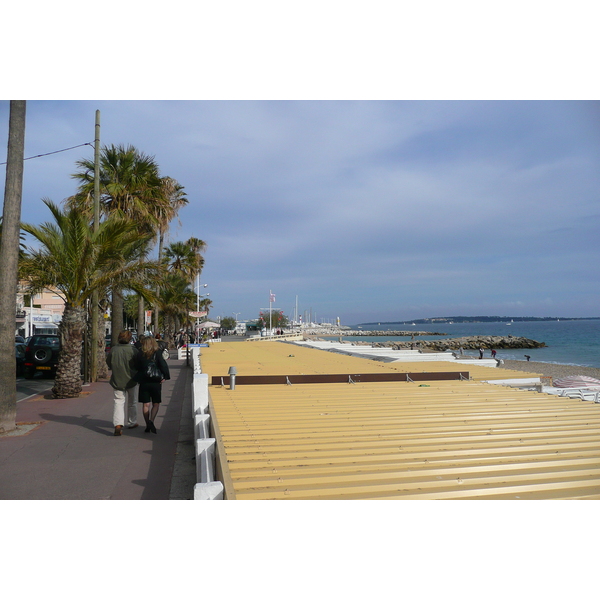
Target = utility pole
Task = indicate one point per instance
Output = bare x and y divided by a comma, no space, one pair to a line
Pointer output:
9,263
95,312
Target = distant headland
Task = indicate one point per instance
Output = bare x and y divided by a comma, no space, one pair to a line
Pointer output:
480,319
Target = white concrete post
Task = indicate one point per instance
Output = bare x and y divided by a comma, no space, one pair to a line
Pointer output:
208,491
202,426
205,460
196,360
200,393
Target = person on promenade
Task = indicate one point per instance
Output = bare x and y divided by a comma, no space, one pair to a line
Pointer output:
163,346
150,359
121,360
493,353
138,343
179,339
480,353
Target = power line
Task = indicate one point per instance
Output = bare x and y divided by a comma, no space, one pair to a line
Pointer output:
56,151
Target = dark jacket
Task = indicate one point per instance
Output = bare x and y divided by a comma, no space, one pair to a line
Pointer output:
121,360
142,365
162,345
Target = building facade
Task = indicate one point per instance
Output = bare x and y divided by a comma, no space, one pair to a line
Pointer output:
38,313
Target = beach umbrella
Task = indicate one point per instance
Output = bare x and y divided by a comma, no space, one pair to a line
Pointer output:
212,324
576,381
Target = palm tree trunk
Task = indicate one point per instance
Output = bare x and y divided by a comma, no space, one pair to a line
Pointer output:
9,256
116,316
168,322
141,324
67,383
160,252
100,350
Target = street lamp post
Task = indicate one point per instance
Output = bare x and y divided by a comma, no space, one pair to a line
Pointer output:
198,303
236,322
197,329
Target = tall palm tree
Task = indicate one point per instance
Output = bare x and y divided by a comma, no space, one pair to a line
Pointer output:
181,259
196,245
185,258
173,191
76,261
174,302
129,182
9,256
130,185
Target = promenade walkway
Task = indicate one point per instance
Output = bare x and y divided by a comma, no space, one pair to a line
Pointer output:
69,452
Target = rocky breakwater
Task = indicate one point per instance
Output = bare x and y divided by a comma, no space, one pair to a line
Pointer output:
487,342
359,332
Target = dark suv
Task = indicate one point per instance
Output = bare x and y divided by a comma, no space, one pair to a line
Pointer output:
41,354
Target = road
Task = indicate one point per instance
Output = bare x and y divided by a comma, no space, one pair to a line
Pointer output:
30,387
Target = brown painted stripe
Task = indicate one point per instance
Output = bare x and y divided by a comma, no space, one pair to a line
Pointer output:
339,378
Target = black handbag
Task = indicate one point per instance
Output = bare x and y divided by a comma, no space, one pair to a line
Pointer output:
153,373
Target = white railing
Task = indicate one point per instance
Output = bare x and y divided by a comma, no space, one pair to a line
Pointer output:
287,337
206,488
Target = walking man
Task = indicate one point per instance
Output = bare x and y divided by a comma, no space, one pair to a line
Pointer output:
121,361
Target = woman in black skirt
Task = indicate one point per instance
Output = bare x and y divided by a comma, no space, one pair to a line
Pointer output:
150,384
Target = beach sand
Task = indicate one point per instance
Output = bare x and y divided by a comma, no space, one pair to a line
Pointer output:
550,369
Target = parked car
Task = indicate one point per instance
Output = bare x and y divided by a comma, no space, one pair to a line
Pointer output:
19,339
20,353
41,355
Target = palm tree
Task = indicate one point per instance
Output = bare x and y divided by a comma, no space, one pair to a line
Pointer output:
174,302
181,259
173,191
9,256
130,185
184,257
129,182
76,261
196,245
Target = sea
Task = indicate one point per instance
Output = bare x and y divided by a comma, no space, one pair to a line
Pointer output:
567,342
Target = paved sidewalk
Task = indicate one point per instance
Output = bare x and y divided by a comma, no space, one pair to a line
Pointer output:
73,455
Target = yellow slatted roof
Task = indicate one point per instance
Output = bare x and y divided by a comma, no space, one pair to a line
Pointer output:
398,440
279,358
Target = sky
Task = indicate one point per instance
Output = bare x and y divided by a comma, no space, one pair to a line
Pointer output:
377,165
364,210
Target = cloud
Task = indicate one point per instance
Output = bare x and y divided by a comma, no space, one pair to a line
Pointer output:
361,207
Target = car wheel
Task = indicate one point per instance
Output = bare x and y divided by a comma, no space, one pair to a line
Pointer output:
42,355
